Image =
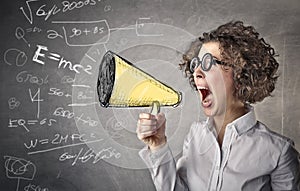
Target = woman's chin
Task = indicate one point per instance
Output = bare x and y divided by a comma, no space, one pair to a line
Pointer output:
208,109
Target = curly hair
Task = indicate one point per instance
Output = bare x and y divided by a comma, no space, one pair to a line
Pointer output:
251,58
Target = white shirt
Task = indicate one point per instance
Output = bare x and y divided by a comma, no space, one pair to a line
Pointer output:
252,158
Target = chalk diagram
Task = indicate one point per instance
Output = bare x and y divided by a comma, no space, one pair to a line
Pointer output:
19,168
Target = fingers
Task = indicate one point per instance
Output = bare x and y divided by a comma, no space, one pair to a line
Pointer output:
146,116
145,134
146,126
151,127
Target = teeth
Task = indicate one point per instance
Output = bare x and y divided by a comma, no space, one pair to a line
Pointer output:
202,88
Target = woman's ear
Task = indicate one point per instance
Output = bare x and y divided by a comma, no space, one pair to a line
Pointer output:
226,68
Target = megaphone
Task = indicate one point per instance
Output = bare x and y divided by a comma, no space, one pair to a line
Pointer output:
121,84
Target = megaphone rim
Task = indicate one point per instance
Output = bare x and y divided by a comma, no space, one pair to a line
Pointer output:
105,102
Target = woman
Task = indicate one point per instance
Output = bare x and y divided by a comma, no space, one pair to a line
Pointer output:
231,67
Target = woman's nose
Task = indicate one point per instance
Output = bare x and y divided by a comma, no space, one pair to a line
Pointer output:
198,73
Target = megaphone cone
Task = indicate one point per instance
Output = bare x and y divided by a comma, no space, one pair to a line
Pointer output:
121,84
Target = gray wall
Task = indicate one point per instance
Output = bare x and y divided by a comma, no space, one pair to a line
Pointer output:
55,136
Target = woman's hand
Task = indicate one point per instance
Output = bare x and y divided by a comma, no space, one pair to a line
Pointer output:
151,130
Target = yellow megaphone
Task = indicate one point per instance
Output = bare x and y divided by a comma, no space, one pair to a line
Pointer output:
121,84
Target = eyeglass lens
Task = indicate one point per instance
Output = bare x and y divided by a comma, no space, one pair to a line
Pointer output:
206,63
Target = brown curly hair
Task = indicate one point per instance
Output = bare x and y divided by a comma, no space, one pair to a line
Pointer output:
251,58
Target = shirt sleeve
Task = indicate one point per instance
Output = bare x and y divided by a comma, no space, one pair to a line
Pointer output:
165,173
286,176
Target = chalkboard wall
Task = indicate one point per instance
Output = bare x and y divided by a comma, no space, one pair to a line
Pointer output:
54,133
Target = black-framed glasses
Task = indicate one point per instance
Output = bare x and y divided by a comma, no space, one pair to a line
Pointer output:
206,63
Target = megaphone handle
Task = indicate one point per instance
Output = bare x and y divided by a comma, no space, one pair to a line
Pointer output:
155,108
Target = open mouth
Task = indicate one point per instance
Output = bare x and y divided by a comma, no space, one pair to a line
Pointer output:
205,92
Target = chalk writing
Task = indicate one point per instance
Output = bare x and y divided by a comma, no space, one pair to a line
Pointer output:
20,34
59,139
13,103
61,112
15,123
88,120
58,92
114,128
33,30
32,187
38,54
107,8
65,6
36,98
15,56
69,6
90,154
67,80
30,17
46,13
52,34
62,63
20,122
64,146
25,76
78,32
81,95
84,33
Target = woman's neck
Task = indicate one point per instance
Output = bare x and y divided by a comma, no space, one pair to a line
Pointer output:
231,114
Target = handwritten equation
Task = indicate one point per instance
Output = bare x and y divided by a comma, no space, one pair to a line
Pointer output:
41,51
46,11
83,33
84,156
26,123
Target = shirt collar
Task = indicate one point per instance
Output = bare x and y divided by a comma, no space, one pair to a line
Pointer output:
245,122
241,124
